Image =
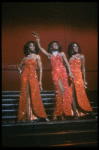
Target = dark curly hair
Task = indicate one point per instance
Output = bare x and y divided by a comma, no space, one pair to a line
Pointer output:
71,50
26,48
50,50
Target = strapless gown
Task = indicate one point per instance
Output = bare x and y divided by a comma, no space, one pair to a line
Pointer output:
30,104
82,100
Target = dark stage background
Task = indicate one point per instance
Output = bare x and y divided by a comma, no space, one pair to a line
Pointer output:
64,22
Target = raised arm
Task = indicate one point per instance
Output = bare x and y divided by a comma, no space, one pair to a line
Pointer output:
39,45
67,64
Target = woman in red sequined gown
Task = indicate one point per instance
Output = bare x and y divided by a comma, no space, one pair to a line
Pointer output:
77,64
30,104
59,75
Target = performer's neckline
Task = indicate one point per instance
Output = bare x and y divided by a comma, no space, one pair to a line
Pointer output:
55,53
29,57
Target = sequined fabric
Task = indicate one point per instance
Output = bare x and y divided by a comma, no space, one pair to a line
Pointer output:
59,72
82,99
29,77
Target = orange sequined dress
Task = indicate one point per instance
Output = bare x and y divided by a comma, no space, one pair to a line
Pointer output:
59,72
29,79
75,65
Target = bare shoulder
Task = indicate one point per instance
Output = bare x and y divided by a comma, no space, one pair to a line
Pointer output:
62,53
82,56
38,57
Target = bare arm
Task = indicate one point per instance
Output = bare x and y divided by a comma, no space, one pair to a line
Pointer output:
83,69
40,68
39,45
67,64
20,66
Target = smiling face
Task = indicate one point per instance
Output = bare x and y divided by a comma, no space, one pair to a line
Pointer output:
31,47
55,46
75,48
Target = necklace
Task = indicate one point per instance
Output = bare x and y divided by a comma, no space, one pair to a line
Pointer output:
75,56
31,56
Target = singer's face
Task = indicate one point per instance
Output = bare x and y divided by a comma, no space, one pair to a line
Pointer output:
55,46
31,47
75,48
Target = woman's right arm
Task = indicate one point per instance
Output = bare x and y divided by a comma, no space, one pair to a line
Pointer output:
39,45
20,66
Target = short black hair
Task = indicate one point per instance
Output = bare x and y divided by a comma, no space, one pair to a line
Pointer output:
50,50
26,48
71,50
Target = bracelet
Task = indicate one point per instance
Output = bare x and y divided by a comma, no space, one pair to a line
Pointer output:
70,74
20,71
85,86
38,40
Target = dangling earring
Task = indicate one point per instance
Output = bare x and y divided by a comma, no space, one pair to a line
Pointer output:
34,51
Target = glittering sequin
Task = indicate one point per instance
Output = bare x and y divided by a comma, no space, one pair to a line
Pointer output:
29,76
82,99
59,72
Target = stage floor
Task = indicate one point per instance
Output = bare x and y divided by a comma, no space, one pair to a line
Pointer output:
69,133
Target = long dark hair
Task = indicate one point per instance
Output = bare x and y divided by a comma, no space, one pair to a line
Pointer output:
71,50
50,49
27,50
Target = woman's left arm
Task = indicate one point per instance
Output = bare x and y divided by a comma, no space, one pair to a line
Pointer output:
83,70
67,64
40,68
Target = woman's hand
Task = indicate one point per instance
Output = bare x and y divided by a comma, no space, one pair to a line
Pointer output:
85,84
71,75
40,84
20,69
35,34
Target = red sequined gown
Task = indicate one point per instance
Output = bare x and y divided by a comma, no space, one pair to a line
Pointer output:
59,72
75,65
30,101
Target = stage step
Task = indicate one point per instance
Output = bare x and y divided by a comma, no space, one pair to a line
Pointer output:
10,104
45,134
